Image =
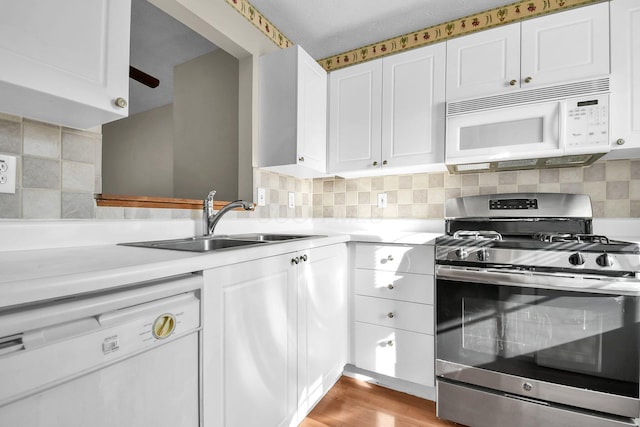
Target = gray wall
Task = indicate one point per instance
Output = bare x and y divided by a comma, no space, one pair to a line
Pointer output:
138,154
206,127
185,149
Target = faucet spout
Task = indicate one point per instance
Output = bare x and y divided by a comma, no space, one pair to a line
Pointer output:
210,219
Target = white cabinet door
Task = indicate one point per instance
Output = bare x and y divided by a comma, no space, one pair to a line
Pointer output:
484,63
65,62
394,285
293,114
312,121
625,78
406,258
322,323
394,352
249,344
562,47
413,107
355,102
565,46
394,314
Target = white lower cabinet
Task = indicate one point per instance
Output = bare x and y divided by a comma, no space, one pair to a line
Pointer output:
394,311
274,337
322,324
394,352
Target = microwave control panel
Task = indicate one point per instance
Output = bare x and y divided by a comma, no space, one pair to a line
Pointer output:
587,124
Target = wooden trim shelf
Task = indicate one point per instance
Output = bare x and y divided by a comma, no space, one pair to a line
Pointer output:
127,201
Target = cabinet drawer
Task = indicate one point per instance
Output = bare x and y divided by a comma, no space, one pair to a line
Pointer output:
408,259
396,353
399,286
394,314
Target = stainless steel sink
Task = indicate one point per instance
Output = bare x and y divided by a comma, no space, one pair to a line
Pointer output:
215,243
196,244
270,237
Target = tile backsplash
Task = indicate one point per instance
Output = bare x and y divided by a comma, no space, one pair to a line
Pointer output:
614,187
60,169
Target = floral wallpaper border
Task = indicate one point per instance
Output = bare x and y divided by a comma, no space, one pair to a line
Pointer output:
267,28
491,18
488,19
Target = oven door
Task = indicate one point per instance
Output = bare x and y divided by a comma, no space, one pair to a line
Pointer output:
570,347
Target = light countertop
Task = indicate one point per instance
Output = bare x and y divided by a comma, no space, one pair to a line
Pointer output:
45,274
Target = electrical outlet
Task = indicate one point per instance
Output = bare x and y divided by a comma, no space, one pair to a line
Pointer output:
262,197
292,200
8,166
382,200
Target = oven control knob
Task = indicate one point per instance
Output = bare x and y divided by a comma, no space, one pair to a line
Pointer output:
461,253
604,260
576,259
482,255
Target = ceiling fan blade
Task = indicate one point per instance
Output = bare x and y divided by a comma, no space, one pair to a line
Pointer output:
142,77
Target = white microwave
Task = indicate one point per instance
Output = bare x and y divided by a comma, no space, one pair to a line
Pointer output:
572,131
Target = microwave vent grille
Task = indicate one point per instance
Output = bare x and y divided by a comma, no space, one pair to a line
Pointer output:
527,96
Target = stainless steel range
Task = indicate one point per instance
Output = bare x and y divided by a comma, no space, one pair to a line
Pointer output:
537,317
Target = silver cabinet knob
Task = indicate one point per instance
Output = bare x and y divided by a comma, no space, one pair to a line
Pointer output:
375,163
301,159
390,286
390,257
527,386
120,102
620,141
512,82
390,315
528,79
390,343
303,257
384,162
295,260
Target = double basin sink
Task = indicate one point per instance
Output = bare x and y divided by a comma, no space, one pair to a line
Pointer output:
214,243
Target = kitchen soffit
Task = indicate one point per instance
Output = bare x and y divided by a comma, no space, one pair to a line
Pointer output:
339,33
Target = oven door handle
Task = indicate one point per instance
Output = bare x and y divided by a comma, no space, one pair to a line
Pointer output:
534,279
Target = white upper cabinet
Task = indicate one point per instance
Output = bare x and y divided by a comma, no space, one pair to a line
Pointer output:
413,107
293,114
388,114
65,62
625,79
484,63
355,108
566,46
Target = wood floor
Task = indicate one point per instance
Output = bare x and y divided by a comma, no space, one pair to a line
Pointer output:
355,403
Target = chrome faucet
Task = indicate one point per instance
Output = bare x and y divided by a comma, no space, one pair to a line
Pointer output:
210,219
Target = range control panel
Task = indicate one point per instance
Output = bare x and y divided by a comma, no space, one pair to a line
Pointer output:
513,204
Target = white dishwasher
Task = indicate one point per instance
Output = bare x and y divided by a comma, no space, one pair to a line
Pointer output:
122,358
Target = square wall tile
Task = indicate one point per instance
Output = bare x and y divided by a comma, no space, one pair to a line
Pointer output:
41,140
41,204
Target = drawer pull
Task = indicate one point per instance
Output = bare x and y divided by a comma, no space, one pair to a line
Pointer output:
390,286
389,343
390,315
304,257
390,257
295,260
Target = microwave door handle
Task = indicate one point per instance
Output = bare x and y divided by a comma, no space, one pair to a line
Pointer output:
562,126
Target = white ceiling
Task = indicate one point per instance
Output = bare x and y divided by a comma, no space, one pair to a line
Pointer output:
159,43
328,27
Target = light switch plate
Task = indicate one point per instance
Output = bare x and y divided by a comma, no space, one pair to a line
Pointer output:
8,166
262,197
292,200
382,200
